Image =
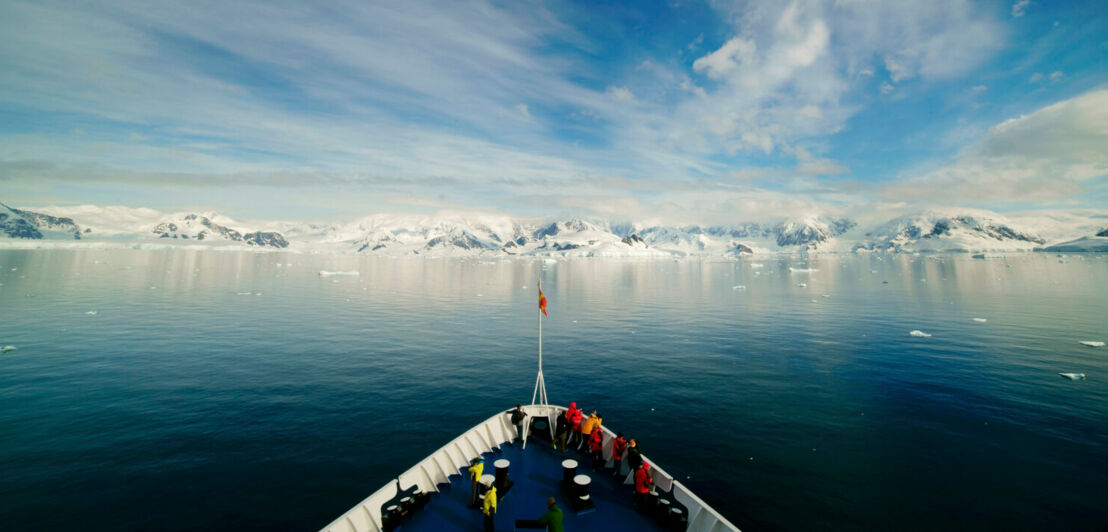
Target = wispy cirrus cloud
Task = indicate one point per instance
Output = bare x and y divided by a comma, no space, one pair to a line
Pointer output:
480,102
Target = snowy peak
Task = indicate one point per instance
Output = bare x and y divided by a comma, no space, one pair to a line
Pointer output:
197,227
811,231
463,235
933,231
17,223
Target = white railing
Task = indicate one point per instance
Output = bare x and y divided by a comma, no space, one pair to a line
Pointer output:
489,434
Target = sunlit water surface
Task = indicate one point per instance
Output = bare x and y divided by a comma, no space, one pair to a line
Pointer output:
226,390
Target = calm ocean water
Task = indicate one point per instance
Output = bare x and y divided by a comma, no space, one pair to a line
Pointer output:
226,390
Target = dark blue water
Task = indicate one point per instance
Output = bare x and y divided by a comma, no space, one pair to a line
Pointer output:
184,403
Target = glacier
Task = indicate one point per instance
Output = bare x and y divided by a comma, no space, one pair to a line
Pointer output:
446,234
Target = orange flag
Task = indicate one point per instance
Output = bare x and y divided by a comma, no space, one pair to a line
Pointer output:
542,302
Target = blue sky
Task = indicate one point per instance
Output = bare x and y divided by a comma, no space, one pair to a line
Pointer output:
674,111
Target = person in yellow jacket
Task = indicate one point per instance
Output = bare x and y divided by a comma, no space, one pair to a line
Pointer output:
490,508
588,426
476,468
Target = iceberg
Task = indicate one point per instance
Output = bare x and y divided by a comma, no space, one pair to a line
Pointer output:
1073,376
980,320
1092,343
919,334
325,273
7,348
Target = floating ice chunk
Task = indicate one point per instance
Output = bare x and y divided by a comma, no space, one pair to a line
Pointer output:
803,270
980,320
814,301
739,287
92,313
825,296
803,285
242,293
757,265
257,293
1073,376
325,273
919,334
7,349
1092,343
335,281
550,261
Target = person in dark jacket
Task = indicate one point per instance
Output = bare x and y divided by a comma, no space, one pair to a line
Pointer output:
634,455
517,419
561,431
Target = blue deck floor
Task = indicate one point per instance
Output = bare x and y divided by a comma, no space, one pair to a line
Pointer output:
536,472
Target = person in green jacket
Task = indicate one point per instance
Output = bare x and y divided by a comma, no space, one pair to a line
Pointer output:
553,517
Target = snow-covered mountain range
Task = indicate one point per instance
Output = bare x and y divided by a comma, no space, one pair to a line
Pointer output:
947,230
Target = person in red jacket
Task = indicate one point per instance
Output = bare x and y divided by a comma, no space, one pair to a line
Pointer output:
596,448
571,412
575,428
643,484
619,446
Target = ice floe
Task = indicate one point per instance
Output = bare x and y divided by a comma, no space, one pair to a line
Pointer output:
803,285
919,334
325,273
92,313
1073,376
738,287
1092,343
981,320
7,349
803,270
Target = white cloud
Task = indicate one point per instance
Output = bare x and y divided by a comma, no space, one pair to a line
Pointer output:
622,94
887,87
1048,154
1057,75
1020,8
979,88
350,76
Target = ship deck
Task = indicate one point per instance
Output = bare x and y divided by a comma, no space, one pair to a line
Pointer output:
536,472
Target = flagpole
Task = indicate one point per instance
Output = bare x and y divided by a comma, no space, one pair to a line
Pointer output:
540,383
